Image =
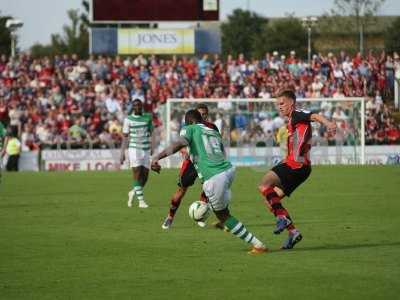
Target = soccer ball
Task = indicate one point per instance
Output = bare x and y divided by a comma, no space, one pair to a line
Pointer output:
199,211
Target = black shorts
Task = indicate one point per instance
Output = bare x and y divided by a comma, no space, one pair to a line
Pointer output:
291,178
12,163
187,174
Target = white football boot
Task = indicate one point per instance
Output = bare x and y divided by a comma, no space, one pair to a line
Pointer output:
131,196
143,204
201,224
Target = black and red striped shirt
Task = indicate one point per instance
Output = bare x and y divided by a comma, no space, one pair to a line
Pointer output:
211,125
299,139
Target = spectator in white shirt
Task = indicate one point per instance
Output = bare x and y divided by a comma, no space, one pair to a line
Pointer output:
267,124
338,93
371,104
278,121
112,104
317,86
264,93
338,114
338,73
347,65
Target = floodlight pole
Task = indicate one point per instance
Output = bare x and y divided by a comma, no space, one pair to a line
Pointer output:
12,25
308,23
13,38
361,39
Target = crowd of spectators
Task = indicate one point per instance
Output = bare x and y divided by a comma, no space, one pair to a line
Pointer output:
68,101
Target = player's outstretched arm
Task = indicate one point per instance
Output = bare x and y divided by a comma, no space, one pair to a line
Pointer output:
152,143
171,149
331,126
123,148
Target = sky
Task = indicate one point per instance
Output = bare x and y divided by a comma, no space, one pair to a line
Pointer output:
43,17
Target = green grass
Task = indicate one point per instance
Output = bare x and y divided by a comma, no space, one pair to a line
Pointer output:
71,236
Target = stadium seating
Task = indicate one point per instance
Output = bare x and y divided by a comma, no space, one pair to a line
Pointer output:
68,100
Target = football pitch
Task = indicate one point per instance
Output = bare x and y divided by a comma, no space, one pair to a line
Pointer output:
72,236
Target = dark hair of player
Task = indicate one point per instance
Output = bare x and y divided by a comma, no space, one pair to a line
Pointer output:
288,94
193,116
137,107
202,106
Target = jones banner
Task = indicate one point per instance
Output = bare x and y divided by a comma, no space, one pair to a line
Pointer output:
156,41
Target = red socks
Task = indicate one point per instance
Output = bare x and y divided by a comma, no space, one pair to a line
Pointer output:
203,197
177,199
273,202
175,202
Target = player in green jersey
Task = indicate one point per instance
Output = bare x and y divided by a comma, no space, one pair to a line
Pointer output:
187,177
215,172
137,130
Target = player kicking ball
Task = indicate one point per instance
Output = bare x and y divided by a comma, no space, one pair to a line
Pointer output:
137,130
215,172
187,176
285,177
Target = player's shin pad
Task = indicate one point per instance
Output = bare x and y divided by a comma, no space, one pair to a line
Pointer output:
238,229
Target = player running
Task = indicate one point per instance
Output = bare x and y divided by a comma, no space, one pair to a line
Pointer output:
137,130
187,176
215,172
285,177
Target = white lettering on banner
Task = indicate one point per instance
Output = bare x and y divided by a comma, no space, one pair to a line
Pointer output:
80,154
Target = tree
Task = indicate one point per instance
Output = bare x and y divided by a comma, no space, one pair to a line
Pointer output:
75,36
5,36
240,32
392,37
363,12
39,50
85,13
74,39
283,35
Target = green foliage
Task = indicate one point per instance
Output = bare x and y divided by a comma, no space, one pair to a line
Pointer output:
74,39
85,14
5,36
361,9
71,236
241,32
252,35
39,50
283,35
362,14
392,37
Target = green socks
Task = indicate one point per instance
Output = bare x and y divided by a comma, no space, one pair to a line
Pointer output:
138,190
238,229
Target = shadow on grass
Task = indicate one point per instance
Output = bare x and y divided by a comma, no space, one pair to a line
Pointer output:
339,247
